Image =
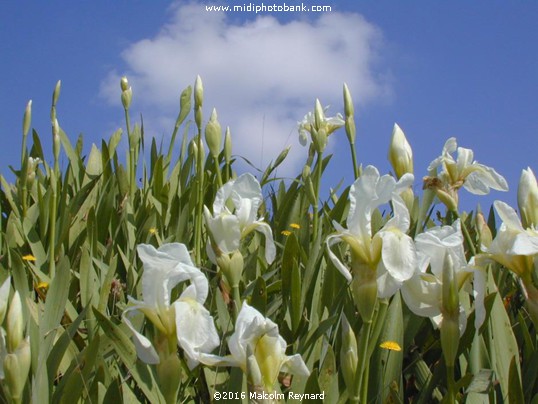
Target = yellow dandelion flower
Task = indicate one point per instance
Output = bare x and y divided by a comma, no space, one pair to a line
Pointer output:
29,257
391,345
295,226
285,232
153,230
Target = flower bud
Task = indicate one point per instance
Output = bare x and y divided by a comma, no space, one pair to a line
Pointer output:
227,145
319,115
400,153
349,110
14,323
198,93
484,233
527,198
231,266
27,119
319,138
56,93
4,295
213,134
450,332
56,139
348,354
16,368
283,154
124,84
351,131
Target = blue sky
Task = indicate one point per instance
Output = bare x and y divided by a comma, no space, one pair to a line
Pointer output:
438,69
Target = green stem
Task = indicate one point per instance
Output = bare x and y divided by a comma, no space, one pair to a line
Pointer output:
237,301
217,170
52,234
354,159
132,169
317,185
200,201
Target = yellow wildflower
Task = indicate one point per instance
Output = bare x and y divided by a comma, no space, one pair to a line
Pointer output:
295,226
285,232
28,257
391,345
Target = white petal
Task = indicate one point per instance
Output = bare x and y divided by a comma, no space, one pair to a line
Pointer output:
423,294
524,244
331,240
270,249
399,255
196,330
144,349
508,215
295,365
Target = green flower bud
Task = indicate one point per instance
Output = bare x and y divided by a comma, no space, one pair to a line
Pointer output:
228,145
351,131
400,153
124,84
348,354
56,93
231,266
283,154
16,368
198,93
349,110
213,134
4,295
193,148
27,119
319,114
319,138
14,323
483,230
126,97
56,139
527,198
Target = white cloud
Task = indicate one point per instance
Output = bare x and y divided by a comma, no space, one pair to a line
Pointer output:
261,75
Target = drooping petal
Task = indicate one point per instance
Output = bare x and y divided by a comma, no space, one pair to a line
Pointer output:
270,249
196,332
332,240
144,348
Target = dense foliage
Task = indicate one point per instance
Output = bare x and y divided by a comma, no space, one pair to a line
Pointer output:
166,277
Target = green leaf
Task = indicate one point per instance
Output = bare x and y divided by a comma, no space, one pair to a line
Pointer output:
515,393
123,346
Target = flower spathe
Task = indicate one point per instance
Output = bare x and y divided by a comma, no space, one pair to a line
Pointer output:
390,252
527,198
185,319
258,349
235,215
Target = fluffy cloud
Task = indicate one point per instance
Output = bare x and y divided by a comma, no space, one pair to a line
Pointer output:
262,75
